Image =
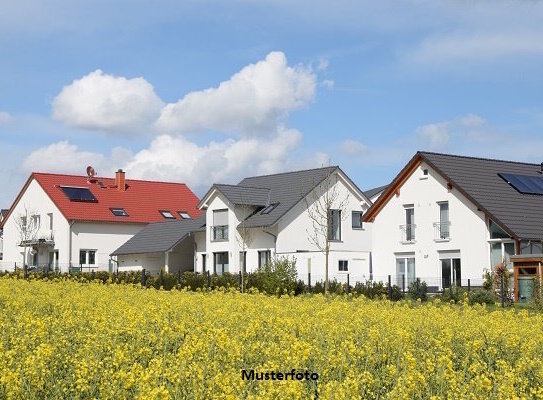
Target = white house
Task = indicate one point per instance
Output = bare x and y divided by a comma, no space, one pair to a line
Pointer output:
63,221
446,218
3,213
246,225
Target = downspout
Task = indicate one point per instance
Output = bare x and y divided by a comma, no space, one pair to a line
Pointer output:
274,242
70,244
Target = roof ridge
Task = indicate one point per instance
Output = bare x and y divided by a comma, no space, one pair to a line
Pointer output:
110,178
290,172
240,186
478,158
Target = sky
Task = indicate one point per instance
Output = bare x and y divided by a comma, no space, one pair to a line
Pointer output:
212,91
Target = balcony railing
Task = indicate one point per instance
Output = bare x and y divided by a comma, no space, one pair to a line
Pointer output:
42,237
407,233
219,233
442,230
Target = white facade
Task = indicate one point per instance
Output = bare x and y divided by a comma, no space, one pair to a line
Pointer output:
64,242
444,239
289,237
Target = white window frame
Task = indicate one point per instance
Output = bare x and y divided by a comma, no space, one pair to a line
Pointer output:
345,265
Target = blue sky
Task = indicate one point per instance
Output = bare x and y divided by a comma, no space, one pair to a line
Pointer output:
212,91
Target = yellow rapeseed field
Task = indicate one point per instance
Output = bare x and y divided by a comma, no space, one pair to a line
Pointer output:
66,339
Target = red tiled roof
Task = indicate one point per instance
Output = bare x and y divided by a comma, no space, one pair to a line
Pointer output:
142,200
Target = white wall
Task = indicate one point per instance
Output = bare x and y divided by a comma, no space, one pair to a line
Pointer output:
355,245
468,230
102,237
35,199
152,262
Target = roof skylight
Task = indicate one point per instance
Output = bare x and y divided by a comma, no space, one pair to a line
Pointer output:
119,212
167,214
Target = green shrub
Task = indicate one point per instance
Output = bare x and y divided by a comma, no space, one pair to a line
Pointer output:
454,294
482,296
418,290
370,289
275,277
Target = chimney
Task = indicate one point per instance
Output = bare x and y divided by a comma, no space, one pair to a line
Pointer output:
119,180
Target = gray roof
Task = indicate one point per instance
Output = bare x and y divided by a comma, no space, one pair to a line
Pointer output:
286,189
160,236
521,215
245,195
372,192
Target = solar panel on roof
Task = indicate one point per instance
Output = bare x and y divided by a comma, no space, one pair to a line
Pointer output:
78,194
526,184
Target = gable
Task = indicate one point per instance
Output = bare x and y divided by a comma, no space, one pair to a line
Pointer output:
478,180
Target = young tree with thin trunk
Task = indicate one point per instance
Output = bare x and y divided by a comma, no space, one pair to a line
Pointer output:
244,236
324,204
27,226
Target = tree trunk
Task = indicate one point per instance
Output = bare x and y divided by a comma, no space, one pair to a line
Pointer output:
327,251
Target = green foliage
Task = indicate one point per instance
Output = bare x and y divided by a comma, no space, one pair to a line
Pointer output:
193,281
482,296
395,293
418,290
454,293
276,277
370,289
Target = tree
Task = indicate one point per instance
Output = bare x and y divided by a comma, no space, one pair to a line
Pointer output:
244,235
326,208
27,225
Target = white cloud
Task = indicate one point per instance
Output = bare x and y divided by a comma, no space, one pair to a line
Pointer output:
352,148
323,64
435,135
252,102
105,102
478,46
328,84
176,158
63,157
5,117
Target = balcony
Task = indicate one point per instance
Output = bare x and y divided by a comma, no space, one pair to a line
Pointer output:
407,233
45,237
219,233
442,231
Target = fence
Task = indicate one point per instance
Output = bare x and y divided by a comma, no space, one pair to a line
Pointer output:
53,267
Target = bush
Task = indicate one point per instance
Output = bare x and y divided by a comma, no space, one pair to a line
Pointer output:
396,293
454,294
418,290
370,289
193,281
482,296
275,277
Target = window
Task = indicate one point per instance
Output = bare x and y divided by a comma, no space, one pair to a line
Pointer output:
357,219
269,209
243,261
220,263
496,232
167,214
82,257
451,272
264,257
35,220
405,271
425,172
501,250
87,257
219,230
119,212
50,218
78,194
334,225
442,227
343,266
204,263
408,230
184,215
92,257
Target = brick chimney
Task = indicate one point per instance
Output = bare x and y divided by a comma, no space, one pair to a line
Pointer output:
119,180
